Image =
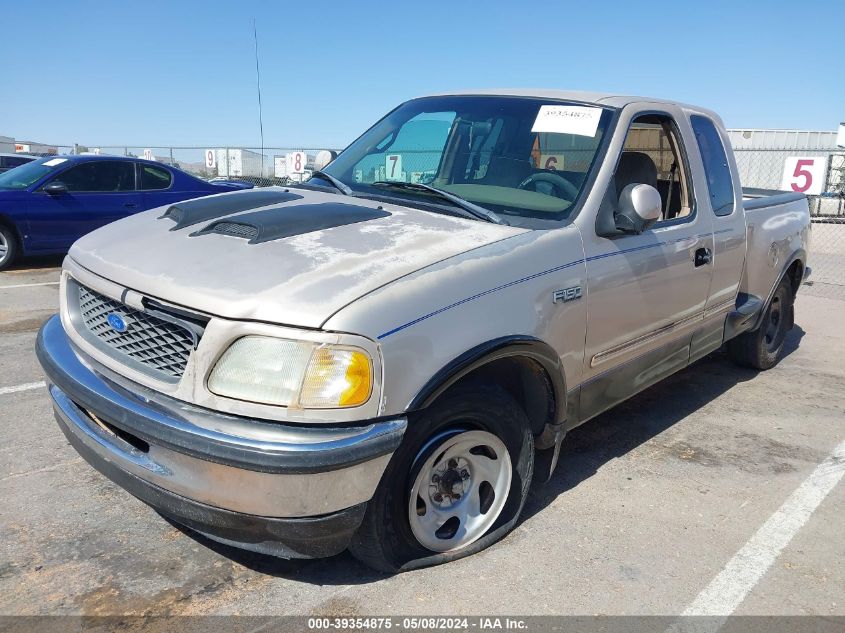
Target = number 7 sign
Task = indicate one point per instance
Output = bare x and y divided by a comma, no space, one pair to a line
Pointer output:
393,167
804,175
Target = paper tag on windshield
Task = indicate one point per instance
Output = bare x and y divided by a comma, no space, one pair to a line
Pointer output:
579,120
54,161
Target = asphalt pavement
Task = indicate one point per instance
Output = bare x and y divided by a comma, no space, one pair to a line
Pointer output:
719,488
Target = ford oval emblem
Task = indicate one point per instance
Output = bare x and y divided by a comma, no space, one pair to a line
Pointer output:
117,323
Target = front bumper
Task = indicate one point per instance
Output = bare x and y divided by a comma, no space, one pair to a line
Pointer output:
287,490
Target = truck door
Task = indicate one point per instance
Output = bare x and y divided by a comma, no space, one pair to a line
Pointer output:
646,293
97,192
718,197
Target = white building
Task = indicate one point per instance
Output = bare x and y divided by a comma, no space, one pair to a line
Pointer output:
761,155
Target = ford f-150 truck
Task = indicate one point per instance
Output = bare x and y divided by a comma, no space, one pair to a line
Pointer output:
383,357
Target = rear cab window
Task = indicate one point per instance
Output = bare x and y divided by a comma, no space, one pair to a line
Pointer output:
716,169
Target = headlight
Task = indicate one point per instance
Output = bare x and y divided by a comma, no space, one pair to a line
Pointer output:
287,373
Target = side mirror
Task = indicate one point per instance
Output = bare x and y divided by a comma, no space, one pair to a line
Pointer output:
639,208
55,188
323,158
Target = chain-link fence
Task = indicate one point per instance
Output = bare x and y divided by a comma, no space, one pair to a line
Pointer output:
767,169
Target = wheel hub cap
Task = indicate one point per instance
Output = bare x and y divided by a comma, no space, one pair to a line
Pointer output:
449,482
459,491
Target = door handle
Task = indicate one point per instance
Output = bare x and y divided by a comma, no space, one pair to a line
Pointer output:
703,256
130,205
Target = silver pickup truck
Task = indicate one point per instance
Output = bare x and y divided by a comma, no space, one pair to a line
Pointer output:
383,357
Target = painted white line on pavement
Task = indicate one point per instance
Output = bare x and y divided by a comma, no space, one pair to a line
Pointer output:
43,283
730,587
27,387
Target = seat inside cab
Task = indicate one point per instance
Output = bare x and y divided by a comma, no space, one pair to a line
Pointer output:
653,155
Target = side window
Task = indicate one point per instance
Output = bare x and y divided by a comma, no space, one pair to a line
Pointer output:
719,180
99,177
653,155
153,178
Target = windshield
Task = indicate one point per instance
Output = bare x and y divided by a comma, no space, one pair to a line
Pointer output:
526,158
25,175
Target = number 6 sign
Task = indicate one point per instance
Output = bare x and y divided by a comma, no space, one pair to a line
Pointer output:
804,175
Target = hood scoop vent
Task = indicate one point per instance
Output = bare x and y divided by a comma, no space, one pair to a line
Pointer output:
199,210
235,229
280,222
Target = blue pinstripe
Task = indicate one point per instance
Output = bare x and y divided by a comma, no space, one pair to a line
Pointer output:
540,274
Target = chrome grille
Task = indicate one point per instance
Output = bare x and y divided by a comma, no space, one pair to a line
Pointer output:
155,343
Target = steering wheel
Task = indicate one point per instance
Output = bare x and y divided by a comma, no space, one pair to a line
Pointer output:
555,180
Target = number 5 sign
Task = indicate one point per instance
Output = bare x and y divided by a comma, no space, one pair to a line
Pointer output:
804,175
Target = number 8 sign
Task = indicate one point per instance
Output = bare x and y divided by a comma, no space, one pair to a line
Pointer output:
296,162
804,175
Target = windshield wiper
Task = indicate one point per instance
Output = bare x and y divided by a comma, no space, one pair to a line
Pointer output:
341,186
473,210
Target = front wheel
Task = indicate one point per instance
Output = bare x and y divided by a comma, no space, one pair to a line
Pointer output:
456,485
8,247
761,348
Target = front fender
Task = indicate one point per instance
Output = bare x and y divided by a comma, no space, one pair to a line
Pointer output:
13,214
485,353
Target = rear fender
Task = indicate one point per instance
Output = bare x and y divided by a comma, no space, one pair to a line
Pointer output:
800,255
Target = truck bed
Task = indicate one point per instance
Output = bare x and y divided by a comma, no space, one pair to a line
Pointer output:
777,227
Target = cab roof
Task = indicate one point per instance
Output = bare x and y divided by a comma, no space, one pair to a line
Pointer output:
599,98
81,158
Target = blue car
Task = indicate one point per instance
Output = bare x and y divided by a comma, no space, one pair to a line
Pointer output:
47,204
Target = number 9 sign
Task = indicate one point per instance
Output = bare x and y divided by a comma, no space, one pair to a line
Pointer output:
804,175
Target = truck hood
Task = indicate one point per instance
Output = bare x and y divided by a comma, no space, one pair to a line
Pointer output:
291,257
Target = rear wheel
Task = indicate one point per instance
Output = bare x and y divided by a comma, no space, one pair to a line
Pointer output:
761,348
8,247
456,485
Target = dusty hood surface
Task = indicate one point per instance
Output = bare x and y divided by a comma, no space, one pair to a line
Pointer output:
292,262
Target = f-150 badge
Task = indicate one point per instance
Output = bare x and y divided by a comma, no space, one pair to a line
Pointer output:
567,294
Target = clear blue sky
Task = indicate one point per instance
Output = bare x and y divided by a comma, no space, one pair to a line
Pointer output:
182,73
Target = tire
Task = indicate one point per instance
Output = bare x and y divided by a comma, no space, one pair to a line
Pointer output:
761,348
8,247
477,416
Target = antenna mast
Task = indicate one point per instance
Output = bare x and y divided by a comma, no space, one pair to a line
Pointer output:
258,86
